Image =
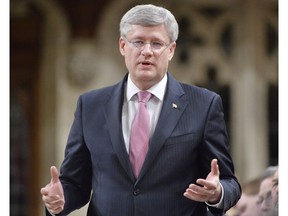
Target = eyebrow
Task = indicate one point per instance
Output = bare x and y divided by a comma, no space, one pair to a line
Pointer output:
152,40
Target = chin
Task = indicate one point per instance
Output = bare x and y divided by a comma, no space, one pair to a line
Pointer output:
146,75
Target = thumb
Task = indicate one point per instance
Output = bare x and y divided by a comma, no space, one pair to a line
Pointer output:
214,167
54,175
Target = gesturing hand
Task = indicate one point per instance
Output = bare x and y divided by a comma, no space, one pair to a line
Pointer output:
209,189
52,193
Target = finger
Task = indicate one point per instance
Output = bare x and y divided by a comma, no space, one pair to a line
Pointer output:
51,199
54,175
52,204
214,167
196,196
43,191
55,209
200,191
210,185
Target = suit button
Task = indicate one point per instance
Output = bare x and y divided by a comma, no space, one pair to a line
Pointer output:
136,192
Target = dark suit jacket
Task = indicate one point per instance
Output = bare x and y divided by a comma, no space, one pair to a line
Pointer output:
185,141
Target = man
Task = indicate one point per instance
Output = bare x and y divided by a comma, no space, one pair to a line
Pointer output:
179,166
247,205
265,201
274,193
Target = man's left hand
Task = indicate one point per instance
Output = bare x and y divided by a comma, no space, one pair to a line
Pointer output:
206,190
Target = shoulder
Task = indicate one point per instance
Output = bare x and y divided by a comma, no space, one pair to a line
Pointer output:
104,94
196,93
202,98
189,90
99,94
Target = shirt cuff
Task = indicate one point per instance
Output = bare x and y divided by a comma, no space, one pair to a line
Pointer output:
50,213
218,205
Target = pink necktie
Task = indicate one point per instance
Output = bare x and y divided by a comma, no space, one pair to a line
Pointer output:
140,129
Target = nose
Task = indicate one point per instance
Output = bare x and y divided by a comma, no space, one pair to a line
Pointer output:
265,206
147,49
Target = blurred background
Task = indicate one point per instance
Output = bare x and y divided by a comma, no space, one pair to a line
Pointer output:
62,48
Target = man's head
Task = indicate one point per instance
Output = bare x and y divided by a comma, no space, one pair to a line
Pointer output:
274,192
265,191
147,41
247,205
149,15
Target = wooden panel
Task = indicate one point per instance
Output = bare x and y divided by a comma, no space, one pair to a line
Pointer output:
25,50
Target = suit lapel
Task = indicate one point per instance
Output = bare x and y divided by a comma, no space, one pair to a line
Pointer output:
113,113
174,105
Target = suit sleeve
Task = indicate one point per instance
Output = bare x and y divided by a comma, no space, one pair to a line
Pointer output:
216,145
76,172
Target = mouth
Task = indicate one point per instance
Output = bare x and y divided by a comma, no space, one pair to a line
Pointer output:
145,63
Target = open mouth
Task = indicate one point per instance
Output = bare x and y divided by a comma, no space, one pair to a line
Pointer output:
146,63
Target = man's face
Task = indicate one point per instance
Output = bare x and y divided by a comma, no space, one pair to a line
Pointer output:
274,192
247,206
147,65
264,196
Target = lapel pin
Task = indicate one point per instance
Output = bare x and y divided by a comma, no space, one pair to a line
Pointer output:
174,106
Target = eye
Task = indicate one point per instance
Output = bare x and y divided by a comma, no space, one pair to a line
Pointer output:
138,43
260,200
157,44
275,184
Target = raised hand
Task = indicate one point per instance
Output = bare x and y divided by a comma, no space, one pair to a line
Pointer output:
206,190
52,193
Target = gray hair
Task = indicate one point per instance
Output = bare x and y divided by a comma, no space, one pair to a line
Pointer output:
269,172
149,15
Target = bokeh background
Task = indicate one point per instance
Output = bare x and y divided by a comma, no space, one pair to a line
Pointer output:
62,48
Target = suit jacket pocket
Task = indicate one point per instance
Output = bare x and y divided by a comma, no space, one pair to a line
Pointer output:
184,138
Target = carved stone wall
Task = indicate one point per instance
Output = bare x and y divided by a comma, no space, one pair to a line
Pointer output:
229,46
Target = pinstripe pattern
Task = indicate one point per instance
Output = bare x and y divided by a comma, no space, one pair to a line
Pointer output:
187,137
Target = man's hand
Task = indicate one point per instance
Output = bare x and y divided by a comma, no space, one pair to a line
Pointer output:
52,193
206,190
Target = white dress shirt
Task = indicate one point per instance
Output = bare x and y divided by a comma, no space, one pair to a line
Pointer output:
130,106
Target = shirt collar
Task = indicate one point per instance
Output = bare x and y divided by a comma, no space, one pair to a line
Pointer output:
157,90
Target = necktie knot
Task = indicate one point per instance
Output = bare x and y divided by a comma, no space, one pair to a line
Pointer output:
143,96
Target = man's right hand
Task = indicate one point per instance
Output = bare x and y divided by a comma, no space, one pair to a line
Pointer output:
52,193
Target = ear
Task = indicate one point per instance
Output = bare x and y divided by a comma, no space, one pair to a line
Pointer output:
122,44
172,50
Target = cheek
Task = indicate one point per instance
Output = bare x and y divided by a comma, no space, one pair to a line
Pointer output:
163,62
129,55
129,61
129,58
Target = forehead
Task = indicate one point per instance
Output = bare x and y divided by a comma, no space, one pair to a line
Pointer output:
265,185
275,175
148,32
